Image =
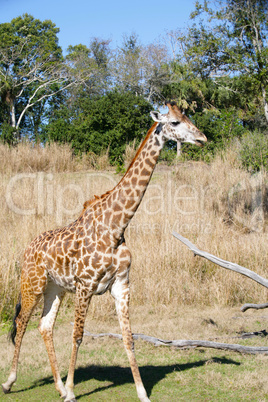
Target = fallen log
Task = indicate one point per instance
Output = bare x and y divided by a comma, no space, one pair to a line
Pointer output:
246,335
247,306
187,344
184,344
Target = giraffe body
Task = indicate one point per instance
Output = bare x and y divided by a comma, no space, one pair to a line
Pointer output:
89,256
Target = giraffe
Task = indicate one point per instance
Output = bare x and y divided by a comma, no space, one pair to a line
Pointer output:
90,256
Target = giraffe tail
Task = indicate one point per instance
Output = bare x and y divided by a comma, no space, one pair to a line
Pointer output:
13,329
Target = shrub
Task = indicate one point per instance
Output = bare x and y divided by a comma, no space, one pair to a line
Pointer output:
168,154
220,128
7,134
102,123
254,151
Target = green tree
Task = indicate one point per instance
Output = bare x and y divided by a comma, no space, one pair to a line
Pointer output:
32,70
29,51
229,44
92,63
103,123
210,106
189,91
60,125
127,66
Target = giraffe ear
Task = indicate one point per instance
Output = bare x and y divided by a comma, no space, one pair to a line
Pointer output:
156,116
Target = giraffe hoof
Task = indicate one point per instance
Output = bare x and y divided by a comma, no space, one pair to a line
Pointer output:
5,390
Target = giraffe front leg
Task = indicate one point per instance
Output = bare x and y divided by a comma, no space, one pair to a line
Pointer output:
82,300
120,292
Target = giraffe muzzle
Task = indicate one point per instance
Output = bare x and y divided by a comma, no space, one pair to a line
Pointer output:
201,140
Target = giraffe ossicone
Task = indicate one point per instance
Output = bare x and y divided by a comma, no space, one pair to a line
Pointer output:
90,256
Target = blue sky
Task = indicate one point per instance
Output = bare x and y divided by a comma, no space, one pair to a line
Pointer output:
81,20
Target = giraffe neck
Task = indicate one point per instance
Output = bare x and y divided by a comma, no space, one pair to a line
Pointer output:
125,198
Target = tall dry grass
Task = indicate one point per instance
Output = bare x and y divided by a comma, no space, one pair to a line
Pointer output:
219,207
55,158
210,205
129,153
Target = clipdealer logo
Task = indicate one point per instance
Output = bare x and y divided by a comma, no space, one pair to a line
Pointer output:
180,206
51,197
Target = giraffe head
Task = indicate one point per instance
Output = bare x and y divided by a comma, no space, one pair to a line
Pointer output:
174,125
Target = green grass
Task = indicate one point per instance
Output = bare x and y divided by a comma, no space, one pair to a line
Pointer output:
168,375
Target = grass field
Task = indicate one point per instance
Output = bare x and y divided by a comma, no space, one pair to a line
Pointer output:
174,295
169,374
219,207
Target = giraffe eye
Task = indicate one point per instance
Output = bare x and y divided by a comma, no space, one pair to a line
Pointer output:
175,123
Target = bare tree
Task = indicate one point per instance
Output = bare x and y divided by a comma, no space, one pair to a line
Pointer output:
141,69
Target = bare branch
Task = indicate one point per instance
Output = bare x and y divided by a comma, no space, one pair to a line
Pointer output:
247,306
30,103
225,264
40,71
184,344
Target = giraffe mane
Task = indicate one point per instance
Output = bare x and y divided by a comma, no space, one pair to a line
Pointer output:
140,148
94,200
91,202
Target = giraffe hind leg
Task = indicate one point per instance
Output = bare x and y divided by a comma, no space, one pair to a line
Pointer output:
53,297
13,329
12,335
23,313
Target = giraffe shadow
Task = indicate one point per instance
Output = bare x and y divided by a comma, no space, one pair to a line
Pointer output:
117,375
151,375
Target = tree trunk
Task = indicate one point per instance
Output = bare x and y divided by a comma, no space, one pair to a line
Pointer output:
13,118
178,148
12,113
265,103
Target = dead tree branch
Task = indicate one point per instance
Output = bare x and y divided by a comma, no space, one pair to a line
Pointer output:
228,265
200,343
247,306
225,264
185,344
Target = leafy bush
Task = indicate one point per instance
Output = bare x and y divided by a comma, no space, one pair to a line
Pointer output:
102,123
254,151
220,127
7,133
168,153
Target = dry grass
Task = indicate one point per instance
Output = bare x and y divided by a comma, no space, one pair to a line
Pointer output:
220,208
55,158
129,154
197,202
